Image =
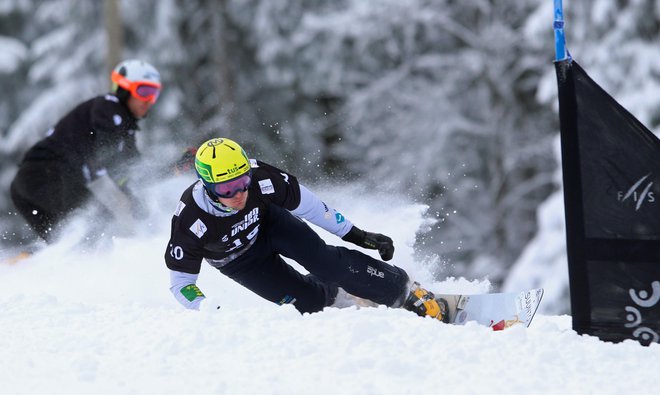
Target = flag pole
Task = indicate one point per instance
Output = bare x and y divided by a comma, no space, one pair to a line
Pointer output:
561,53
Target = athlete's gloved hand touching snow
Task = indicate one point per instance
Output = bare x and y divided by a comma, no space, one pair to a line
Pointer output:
372,241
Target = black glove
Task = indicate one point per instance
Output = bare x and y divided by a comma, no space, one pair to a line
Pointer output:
372,241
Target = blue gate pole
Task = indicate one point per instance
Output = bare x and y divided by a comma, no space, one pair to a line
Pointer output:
560,40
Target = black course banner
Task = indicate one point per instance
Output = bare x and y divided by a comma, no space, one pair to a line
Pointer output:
611,173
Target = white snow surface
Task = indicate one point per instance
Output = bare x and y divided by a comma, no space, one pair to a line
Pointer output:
104,322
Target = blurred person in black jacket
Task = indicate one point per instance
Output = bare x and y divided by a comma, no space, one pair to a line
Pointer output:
87,154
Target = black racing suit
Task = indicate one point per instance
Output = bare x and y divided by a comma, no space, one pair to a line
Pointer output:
96,137
248,246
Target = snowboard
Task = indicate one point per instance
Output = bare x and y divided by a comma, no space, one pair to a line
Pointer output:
497,310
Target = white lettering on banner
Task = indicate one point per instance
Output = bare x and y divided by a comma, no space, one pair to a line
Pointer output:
634,316
643,299
639,197
266,186
375,272
249,219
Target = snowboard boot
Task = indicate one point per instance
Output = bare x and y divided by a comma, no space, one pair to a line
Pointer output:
424,303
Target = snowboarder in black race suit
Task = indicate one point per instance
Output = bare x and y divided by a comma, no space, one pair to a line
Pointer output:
87,153
242,217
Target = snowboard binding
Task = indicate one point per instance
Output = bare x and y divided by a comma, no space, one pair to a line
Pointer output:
424,303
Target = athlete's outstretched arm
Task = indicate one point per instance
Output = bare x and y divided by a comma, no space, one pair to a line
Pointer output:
314,210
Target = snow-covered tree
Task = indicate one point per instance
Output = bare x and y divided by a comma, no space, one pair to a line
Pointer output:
430,99
55,46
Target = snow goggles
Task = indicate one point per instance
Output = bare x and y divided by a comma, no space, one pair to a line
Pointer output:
229,189
145,91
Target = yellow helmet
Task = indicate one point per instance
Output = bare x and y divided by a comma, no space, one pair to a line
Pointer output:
220,160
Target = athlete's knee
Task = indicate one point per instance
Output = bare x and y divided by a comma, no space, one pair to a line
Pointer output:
323,296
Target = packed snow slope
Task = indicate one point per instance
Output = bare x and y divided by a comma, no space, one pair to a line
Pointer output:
104,322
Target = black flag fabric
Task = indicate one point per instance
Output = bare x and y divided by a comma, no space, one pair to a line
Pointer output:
611,173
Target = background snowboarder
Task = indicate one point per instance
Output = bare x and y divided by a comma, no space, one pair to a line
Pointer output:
88,153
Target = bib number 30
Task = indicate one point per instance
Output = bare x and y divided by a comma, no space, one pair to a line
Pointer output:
176,252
